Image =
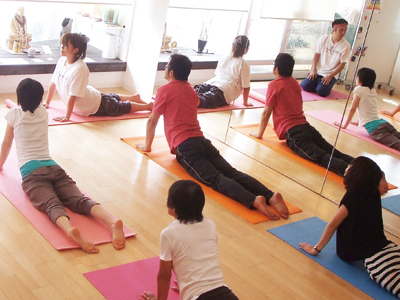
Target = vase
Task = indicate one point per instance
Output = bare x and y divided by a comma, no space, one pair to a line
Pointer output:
201,44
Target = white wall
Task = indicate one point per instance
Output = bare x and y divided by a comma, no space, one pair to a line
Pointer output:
383,41
395,81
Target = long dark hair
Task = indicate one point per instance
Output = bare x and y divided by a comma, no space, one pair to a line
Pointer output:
362,175
77,40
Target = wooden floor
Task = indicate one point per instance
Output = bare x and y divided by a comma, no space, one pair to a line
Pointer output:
256,265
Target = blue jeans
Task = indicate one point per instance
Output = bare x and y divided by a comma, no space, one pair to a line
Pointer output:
308,143
203,162
316,86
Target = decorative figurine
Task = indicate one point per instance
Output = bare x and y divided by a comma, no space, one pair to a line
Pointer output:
18,32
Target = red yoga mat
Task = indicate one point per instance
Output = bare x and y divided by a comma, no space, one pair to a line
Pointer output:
58,108
129,281
91,229
334,95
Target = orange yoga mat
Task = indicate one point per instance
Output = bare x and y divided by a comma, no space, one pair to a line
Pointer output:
161,155
395,117
271,141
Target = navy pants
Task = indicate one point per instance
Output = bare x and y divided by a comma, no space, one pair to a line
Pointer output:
316,86
307,142
210,96
203,162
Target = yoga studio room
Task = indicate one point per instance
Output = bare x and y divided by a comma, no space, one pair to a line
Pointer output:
102,195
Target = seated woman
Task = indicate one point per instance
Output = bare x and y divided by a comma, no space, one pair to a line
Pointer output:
232,77
359,226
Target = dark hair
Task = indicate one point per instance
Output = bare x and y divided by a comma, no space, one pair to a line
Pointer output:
181,65
339,21
77,40
29,94
367,77
187,198
363,174
239,45
285,64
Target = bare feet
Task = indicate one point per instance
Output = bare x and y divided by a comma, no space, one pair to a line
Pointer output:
117,230
262,207
277,202
86,246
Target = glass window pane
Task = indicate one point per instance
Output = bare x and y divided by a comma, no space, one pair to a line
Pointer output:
265,38
184,26
303,36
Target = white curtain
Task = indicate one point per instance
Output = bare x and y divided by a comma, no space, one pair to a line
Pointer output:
237,5
312,10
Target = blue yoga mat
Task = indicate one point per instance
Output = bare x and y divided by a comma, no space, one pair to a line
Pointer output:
310,231
392,203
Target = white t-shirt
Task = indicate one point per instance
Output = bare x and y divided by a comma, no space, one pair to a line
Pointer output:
367,108
193,250
231,76
72,80
332,54
30,133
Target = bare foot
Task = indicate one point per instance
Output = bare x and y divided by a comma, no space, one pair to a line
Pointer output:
262,207
86,246
277,202
118,235
150,106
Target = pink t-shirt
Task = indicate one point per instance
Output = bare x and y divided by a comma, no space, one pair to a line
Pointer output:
284,96
177,101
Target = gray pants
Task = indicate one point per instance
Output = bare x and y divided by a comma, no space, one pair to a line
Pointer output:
50,189
386,134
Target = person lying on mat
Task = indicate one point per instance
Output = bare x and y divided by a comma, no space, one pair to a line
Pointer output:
47,185
285,103
365,103
71,77
332,52
189,248
359,227
232,77
177,102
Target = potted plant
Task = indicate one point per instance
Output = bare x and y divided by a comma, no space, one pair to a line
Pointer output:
203,38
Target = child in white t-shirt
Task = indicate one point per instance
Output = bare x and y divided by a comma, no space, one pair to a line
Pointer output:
47,185
365,102
71,78
188,246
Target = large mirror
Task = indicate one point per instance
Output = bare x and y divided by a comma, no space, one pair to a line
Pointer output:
298,37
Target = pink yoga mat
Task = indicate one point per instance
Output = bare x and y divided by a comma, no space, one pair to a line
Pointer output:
310,96
58,108
328,116
129,281
10,187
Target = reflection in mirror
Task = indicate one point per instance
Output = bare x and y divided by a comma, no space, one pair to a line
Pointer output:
386,158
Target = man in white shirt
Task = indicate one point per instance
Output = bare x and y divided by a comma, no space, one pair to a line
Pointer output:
332,52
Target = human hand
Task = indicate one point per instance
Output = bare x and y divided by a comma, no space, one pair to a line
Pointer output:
175,288
45,104
254,134
61,119
148,296
308,248
142,147
312,75
248,104
354,123
383,185
336,124
389,113
326,79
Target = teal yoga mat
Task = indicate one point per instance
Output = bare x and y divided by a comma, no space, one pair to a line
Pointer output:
310,231
392,203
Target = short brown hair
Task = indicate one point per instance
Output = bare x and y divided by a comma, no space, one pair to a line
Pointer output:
77,40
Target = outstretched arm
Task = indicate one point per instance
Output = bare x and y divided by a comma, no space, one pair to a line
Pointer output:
354,105
392,112
263,124
6,145
163,282
70,107
330,229
313,72
50,94
246,92
150,132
